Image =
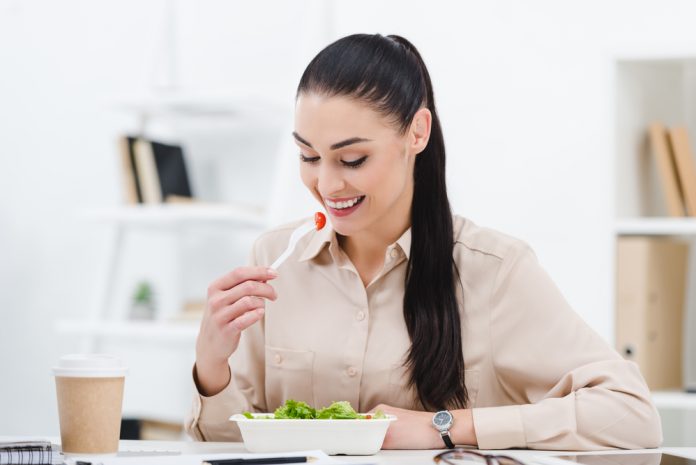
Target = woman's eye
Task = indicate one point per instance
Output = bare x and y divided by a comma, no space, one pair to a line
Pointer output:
307,159
355,163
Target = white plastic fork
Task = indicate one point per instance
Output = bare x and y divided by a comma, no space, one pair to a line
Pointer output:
294,237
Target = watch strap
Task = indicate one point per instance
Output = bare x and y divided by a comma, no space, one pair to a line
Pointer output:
448,441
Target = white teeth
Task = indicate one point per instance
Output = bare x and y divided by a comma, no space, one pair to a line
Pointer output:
343,204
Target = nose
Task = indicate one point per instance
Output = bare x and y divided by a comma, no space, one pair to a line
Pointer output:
330,181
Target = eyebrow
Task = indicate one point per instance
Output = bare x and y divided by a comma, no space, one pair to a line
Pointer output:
337,145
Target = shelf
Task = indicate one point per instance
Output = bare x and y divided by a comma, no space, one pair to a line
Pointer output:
154,331
178,214
674,400
198,104
656,227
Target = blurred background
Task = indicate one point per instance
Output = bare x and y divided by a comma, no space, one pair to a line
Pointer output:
545,108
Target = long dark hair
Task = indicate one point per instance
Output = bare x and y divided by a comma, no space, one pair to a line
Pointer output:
388,73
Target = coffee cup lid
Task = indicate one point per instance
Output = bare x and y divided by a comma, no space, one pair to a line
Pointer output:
90,366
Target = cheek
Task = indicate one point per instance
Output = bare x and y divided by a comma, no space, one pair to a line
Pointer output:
309,178
387,179
307,175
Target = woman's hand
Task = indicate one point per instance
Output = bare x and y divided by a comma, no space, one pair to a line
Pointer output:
411,430
414,429
235,302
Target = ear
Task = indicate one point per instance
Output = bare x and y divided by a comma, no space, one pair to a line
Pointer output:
419,132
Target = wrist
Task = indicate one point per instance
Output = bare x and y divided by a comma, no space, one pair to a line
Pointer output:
462,431
211,378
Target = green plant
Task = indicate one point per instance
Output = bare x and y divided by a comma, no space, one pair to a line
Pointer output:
143,293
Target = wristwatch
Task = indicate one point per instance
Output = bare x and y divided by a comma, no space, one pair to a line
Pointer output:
442,421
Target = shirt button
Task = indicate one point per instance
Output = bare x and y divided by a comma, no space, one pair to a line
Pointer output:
278,359
360,316
394,253
352,371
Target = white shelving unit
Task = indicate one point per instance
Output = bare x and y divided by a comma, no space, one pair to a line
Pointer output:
183,214
656,227
165,217
203,109
161,351
658,87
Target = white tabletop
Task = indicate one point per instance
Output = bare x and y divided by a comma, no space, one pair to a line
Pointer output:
386,457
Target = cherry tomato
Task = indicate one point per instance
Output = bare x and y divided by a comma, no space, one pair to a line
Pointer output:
319,220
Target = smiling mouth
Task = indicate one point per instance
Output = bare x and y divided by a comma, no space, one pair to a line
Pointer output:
345,204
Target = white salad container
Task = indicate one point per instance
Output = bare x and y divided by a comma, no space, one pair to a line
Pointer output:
349,437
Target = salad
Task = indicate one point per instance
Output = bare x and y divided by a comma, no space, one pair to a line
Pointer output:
298,410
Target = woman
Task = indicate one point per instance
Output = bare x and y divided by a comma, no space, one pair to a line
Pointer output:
400,306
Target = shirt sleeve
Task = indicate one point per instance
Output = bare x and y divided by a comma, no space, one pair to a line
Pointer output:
569,390
208,419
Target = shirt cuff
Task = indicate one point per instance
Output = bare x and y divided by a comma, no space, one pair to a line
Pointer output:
499,427
211,408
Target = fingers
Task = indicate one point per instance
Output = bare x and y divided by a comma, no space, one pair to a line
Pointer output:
236,300
239,308
241,314
247,319
240,275
222,299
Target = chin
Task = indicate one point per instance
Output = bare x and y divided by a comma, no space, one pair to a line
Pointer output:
342,230
345,227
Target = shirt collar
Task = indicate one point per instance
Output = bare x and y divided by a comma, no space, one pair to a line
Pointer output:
327,236
317,242
405,243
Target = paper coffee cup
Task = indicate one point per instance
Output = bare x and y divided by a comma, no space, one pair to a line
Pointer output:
89,388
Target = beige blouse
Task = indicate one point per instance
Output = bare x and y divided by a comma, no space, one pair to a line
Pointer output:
537,375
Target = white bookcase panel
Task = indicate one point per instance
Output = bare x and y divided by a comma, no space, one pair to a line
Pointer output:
660,87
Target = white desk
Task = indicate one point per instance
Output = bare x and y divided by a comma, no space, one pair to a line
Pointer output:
387,457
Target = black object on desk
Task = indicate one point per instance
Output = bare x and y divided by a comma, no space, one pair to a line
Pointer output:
259,461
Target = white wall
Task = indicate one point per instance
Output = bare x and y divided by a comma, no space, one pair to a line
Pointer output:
524,91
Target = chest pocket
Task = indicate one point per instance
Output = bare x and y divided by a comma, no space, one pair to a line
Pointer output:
405,396
289,375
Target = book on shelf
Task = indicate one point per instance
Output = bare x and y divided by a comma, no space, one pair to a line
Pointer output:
651,277
147,172
23,450
664,159
686,166
154,172
129,170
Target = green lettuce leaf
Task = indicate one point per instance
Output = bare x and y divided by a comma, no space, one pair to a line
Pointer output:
337,411
294,410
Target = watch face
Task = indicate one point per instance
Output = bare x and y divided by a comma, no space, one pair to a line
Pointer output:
442,419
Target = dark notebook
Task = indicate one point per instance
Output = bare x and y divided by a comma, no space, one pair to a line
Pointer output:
171,170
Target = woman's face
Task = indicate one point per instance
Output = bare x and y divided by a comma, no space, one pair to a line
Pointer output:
355,162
